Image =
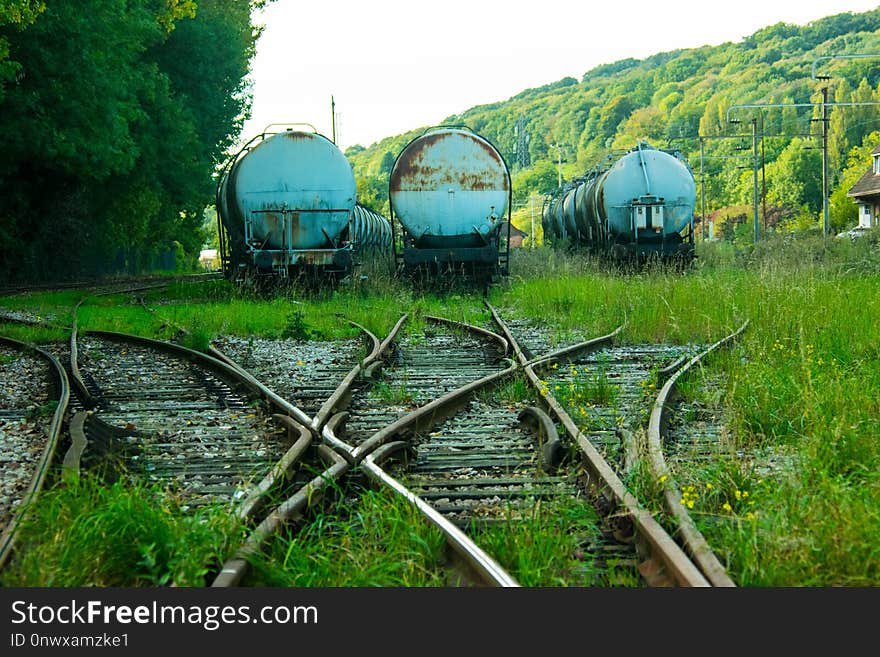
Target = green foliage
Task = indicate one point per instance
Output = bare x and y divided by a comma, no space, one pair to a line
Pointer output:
842,212
16,14
114,130
549,545
796,177
296,327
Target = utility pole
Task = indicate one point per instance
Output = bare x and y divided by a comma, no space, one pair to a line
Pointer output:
521,142
825,161
702,194
823,118
763,180
333,117
755,171
703,139
558,164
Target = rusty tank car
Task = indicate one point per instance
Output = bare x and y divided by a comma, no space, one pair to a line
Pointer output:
286,207
630,207
450,193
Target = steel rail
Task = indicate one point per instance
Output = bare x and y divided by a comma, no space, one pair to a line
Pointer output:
288,417
670,556
693,539
281,470
75,375
428,414
341,397
205,360
502,342
7,538
369,454
481,564
292,508
158,281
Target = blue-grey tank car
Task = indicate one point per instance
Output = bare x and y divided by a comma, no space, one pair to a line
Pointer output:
449,190
286,204
630,206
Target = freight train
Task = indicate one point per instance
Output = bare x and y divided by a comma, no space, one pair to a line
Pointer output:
630,207
286,208
449,191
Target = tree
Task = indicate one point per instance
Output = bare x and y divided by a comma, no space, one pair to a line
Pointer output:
114,128
17,15
540,178
644,123
795,179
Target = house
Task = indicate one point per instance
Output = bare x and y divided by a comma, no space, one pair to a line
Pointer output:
866,194
516,235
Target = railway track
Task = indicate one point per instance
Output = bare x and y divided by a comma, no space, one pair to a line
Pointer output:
469,460
107,287
182,419
482,463
33,400
420,368
700,443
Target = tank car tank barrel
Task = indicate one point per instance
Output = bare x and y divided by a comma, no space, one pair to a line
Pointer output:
635,205
450,189
287,204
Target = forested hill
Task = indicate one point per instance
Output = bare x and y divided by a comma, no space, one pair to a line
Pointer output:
671,99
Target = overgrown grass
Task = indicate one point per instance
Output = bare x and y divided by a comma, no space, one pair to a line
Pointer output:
790,498
54,307
378,540
89,533
548,546
33,334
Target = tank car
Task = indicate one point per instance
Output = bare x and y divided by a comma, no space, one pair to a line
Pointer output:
286,207
449,190
630,207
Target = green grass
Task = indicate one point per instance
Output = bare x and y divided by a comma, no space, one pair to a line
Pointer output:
800,394
548,546
387,393
33,334
378,540
47,306
89,533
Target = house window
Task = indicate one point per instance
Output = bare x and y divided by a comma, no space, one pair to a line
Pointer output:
877,164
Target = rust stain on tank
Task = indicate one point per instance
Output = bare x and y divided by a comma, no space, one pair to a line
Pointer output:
294,135
412,168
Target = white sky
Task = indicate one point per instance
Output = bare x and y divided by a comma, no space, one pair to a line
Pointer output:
397,65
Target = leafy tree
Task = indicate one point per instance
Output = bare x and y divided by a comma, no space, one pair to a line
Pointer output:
540,178
681,94
644,123
114,126
15,14
795,179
